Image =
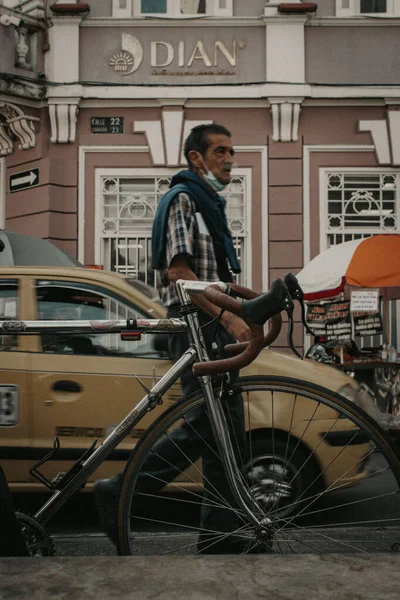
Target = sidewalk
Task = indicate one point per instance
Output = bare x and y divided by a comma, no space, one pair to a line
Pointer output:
276,577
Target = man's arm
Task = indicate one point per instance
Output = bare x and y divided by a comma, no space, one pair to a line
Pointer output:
179,269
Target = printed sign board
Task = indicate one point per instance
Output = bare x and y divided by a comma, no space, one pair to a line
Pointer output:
107,124
370,324
364,301
331,320
24,180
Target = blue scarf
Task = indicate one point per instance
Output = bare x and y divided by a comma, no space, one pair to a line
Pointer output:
212,208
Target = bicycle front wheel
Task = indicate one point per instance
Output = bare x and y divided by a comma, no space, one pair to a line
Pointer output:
320,469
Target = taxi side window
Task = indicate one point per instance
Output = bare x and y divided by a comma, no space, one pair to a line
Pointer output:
70,301
8,312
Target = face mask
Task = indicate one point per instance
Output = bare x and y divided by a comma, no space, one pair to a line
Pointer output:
213,182
210,178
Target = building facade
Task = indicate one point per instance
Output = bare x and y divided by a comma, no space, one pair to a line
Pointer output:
96,99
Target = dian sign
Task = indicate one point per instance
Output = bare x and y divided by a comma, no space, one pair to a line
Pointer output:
216,54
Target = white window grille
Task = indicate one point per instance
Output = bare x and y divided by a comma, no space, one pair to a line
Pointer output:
358,205
128,206
353,8
171,8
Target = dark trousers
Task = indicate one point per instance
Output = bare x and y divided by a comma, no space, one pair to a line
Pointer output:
11,540
193,439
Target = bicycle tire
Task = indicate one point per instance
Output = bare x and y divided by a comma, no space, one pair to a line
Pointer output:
329,435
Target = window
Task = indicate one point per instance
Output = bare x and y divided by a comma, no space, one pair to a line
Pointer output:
8,312
128,206
361,204
68,301
373,6
171,8
352,8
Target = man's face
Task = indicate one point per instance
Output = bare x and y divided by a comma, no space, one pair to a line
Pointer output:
219,155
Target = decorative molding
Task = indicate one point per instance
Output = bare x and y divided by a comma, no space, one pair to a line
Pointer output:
63,119
22,49
239,92
12,86
172,121
35,9
385,135
380,138
285,119
165,137
6,143
21,125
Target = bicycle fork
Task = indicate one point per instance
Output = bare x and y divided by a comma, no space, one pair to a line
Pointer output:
220,431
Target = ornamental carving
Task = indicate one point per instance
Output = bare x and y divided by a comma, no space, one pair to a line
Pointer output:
63,120
17,123
285,119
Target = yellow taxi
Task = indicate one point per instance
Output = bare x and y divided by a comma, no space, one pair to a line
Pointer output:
78,388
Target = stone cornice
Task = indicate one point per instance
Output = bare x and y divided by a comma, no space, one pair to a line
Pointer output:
154,22
354,21
14,86
28,21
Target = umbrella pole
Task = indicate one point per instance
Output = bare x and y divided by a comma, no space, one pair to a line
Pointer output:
386,334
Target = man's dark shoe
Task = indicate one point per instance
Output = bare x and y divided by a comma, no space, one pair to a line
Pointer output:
106,492
211,543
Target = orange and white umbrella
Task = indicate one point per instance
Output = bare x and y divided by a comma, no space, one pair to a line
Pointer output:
372,262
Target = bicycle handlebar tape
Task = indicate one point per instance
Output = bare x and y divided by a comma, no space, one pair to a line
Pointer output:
255,311
275,326
256,342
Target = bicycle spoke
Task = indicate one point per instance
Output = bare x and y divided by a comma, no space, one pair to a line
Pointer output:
307,471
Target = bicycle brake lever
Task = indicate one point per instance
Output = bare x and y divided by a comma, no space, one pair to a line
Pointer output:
290,337
297,294
289,308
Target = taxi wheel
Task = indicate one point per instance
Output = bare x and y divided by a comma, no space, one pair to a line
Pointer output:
162,508
279,474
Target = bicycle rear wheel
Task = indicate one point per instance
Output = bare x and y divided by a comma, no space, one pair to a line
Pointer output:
321,469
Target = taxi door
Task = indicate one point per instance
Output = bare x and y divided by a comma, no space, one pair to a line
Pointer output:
83,386
16,427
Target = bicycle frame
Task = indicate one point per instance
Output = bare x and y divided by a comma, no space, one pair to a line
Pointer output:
197,352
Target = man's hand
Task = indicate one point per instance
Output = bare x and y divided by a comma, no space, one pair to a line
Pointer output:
236,327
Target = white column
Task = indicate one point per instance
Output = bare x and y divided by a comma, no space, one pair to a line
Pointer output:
285,49
64,42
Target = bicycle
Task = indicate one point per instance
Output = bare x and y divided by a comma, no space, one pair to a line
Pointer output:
279,494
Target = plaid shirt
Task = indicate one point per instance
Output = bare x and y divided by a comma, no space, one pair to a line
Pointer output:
187,234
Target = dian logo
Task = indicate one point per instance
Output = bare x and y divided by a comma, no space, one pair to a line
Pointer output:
130,58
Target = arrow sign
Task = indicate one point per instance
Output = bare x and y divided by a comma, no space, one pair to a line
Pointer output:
24,180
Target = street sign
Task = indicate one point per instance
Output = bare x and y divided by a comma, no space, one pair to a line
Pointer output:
24,180
107,124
